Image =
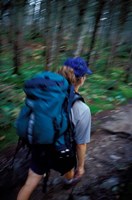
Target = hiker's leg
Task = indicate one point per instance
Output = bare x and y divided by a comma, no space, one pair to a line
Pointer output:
31,183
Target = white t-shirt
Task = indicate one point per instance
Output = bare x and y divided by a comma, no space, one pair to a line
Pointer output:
81,118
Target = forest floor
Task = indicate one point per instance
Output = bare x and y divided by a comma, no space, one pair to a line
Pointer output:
108,168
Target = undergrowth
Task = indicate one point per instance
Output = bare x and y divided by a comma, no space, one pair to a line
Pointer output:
103,90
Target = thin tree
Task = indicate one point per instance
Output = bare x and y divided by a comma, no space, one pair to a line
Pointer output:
36,11
97,20
0,30
58,31
124,11
42,17
128,70
18,31
80,29
109,22
121,19
4,10
33,24
47,35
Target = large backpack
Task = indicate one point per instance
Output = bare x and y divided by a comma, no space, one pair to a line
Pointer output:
45,117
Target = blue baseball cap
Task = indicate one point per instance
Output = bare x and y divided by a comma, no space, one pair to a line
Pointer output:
79,66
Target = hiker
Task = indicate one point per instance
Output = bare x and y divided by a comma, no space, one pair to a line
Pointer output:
75,71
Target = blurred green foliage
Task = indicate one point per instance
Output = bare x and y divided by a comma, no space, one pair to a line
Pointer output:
7,137
104,90
123,51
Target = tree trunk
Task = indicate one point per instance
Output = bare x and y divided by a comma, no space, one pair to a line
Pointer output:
80,29
18,35
128,69
97,20
35,29
124,11
33,24
17,54
42,17
109,23
47,36
69,21
58,32
123,6
0,30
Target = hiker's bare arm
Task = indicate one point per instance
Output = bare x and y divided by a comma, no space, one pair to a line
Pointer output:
81,151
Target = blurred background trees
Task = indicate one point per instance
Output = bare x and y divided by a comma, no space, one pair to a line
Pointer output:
40,34
66,28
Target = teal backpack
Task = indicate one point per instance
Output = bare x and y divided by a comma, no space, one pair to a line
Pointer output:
45,117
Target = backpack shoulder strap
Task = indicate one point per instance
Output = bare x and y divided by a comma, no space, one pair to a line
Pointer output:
77,97
73,97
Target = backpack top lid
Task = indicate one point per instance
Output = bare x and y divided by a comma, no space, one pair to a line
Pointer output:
36,87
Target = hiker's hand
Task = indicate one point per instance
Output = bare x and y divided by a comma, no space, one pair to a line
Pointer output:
79,172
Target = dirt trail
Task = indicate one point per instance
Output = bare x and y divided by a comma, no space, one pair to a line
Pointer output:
108,168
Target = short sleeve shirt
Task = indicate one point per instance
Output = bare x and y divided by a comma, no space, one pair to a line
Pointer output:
81,119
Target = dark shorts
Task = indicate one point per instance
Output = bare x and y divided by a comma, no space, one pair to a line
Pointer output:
44,158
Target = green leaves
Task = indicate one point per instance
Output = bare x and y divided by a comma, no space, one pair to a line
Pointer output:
7,137
126,91
103,90
103,93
